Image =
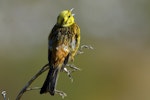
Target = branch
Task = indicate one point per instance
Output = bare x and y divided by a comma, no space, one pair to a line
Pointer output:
24,89
80,51
34,88
43,69
4,95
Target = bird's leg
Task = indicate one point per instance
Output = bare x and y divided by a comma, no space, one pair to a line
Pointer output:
61,93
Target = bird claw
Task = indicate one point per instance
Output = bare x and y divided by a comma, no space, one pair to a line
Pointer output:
61,93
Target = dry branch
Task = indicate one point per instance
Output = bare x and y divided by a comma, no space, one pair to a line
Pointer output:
43,69
24,89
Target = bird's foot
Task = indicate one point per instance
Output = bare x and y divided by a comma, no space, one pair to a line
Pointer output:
61,93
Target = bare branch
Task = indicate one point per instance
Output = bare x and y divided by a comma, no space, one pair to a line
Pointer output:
80,51
34,88
72,66
24,89
61,93
4,95
43,69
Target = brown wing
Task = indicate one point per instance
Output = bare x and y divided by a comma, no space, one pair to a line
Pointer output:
59,46
75,40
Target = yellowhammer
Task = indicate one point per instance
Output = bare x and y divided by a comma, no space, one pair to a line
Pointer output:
63,44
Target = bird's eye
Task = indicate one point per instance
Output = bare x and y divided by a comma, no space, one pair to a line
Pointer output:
69,16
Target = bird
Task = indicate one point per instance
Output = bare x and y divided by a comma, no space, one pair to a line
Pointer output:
63,44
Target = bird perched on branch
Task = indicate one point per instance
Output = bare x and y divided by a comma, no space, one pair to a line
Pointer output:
63,44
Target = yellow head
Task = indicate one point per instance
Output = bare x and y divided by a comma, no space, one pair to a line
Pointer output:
65,18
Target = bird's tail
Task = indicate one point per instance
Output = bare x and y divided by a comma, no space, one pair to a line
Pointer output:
50,82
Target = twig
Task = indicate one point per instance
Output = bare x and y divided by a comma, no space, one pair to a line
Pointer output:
61,93
24,89
80,51
4,95
86,46
34,88
43,69
72,66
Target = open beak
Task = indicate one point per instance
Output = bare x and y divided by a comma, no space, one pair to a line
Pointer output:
71,11
73,14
